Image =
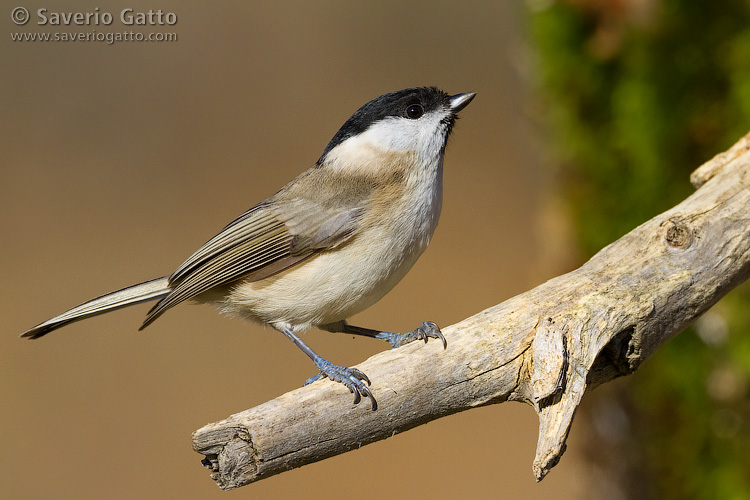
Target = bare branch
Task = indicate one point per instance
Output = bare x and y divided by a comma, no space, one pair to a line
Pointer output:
545,347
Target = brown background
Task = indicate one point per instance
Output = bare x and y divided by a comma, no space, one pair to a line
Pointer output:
119,160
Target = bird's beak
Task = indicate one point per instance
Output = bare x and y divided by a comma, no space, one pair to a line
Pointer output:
460,101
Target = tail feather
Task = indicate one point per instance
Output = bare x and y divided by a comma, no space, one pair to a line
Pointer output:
142,292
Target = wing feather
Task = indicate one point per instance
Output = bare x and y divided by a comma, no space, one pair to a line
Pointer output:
263,241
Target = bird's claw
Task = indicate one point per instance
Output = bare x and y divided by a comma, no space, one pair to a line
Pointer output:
352,378
426,330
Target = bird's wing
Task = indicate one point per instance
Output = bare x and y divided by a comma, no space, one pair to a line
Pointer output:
265,240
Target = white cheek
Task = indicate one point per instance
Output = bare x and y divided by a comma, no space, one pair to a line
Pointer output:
424,136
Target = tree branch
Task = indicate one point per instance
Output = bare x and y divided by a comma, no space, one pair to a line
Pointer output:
545,347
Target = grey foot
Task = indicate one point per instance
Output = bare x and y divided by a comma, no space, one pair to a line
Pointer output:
353,379
426,330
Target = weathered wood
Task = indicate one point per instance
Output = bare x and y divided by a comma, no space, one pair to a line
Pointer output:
545,347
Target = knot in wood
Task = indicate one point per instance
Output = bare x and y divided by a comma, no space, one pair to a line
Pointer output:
679,235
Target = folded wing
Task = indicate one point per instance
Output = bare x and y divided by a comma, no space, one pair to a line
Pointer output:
263,241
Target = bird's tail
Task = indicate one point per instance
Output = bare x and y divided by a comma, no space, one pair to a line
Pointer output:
142,292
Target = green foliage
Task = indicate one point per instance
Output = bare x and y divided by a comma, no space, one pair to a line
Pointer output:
637,95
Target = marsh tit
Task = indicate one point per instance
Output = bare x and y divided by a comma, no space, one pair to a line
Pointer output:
330,243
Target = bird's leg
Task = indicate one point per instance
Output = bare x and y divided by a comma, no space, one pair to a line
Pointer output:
426,330
353,379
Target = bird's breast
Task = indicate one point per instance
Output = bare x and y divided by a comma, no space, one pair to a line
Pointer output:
340,282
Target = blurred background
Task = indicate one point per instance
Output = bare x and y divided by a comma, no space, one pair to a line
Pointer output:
120,159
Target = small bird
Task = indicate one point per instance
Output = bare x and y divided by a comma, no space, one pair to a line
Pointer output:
330,243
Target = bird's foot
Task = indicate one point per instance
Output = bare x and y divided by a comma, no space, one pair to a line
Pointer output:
353,379
426,330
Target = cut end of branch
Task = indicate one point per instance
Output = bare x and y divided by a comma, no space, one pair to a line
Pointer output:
235,461
231,460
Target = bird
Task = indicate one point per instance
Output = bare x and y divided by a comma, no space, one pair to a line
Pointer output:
327,245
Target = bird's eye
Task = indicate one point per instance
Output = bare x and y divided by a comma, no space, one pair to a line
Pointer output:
414,111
